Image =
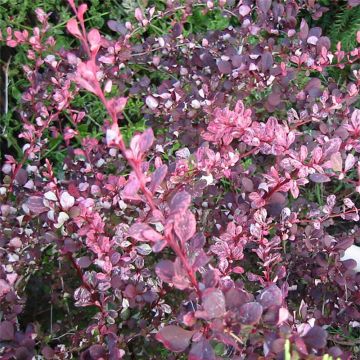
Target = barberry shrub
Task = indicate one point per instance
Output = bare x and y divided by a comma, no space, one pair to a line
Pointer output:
217,232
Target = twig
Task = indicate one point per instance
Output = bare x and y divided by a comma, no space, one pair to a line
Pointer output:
6,89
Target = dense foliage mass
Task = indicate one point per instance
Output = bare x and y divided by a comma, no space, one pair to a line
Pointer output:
215,230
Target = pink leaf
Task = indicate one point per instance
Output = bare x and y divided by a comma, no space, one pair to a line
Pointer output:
151,102
73,28
174,338
144,232
185,226
349,162
94,40
139,15
336,162
244,10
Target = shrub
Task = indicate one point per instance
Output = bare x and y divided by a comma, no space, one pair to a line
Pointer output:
214,233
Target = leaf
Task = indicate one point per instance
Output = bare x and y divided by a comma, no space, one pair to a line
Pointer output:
304,30
266,61
157,177
7,331
35,205
180,202
94,40
73,28
144,232
270,296
264,5
185,226
165,270
214,303
250,313
174,338
151,102
316,337
4,287
244,10
331,147
319,178
224,67
336,161
349,162
66,200
146,140
201,350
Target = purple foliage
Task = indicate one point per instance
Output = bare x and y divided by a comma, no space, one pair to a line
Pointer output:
226,243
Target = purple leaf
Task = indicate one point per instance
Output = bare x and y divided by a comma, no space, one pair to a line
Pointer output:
84,262
304,30
180,202
157,177
7,331
319,178
21,177
316,337
97,351
270,296
274,99
4,287
201,350
165,270
331,147
266,61
146,140
224,67
185,225
250,313
36,205
264,5
214,303
117,27
174,338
